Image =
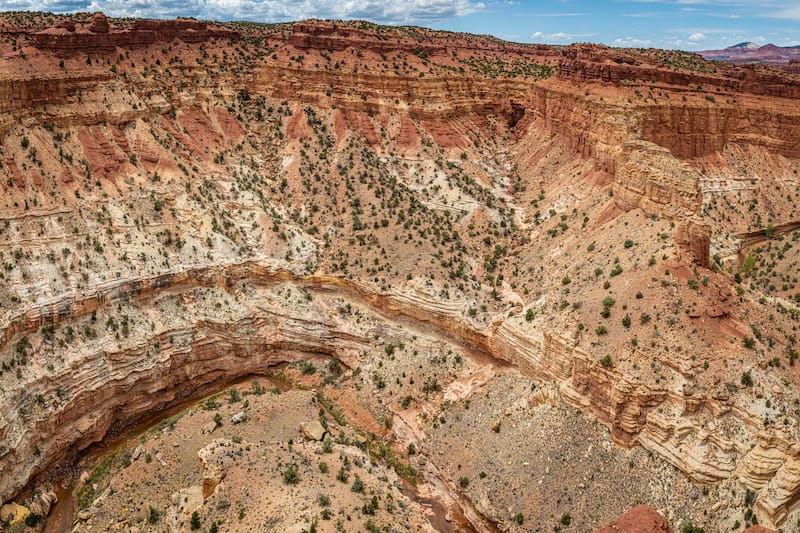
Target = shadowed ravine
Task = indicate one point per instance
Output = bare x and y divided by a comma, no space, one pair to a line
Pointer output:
465,519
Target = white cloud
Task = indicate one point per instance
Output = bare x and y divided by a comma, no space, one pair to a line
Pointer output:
423,12
697,37
792,13
57,6
632,42
559,37
555,15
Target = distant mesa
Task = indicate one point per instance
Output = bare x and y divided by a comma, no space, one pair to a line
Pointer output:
746,46
749,52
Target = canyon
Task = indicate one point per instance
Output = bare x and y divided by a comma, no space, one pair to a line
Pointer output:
580,255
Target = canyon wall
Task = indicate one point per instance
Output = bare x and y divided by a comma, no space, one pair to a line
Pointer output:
588,63
643,155
324,35
103,384
695,129
420,98
651,179
20,94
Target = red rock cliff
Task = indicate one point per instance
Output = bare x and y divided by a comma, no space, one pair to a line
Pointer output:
100,36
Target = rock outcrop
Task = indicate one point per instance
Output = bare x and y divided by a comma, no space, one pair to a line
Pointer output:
14,514
649,178
586,63
100,36
312,430
696,129
645,519
659,420
640,519
326,35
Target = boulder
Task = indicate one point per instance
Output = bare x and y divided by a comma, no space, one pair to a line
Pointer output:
14,513
42,502
137,453
99,23
312,430
184,503
68,25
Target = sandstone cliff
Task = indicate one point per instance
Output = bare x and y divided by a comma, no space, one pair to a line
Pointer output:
99,36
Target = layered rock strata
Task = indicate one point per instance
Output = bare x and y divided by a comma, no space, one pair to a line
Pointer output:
107,385
194,119
99,36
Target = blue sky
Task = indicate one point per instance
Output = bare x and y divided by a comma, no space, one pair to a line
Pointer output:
682,24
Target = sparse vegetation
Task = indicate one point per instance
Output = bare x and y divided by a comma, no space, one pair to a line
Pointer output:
174,216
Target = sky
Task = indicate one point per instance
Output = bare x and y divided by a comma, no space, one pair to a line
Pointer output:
674,24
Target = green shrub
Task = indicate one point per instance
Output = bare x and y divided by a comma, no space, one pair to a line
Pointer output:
371,507
290,475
